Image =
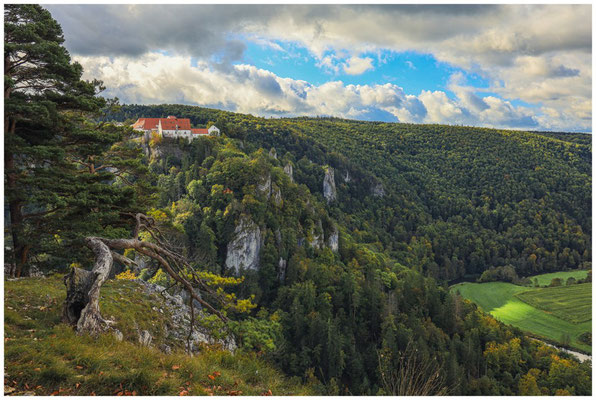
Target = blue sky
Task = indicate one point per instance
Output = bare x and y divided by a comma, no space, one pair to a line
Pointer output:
504,66
413,71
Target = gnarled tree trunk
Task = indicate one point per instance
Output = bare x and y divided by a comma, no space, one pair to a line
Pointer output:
81,307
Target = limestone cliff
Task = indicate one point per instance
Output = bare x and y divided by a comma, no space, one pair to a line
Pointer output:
333,239
316,236
264,186
244,249
276,196
329,190
289,170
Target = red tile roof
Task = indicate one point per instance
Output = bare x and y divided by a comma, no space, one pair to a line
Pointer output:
199,131
168,124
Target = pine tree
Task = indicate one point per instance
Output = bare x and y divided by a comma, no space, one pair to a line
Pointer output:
60,166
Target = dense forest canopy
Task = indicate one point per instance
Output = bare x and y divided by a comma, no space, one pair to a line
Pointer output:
458,200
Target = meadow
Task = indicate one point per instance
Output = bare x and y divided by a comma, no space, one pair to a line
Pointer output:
572,303
558,314
46,357
545,279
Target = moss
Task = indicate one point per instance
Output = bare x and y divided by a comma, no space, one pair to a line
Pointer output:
44,356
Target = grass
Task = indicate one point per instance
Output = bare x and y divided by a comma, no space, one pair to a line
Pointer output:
545,279
501,300
572,303
44,356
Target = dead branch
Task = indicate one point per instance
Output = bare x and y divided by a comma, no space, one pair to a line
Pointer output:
81,307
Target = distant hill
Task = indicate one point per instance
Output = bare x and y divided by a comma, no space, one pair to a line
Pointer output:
457,200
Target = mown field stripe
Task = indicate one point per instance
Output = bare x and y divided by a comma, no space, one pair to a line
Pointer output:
500,300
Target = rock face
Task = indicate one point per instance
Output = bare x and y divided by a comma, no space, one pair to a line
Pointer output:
378,190
177,332
276,196
244,249
329,190
142,261
264,186
317,238
333,239
347,177
273,153
168,147
186,297
289,170
281,269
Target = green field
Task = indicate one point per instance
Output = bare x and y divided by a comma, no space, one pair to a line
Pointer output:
502,301
572,303
545,279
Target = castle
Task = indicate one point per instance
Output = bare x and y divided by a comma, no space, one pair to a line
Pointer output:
172,127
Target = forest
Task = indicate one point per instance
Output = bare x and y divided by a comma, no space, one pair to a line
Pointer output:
349,232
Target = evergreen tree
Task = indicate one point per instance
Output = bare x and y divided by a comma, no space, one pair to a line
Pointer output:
60,167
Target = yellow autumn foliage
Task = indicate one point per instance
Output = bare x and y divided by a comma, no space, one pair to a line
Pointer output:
127,275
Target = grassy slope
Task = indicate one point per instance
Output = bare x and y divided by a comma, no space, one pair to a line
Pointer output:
545,279
500,300
43,356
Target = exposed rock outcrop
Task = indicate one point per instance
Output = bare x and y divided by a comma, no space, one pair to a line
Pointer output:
347,177
281,269
289,170
273,153
317,236
378,190
177,332
276,196
333,239
145,338
167,147
244,249
264,186
329,190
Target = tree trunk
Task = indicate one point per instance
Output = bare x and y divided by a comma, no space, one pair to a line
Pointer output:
16,217
81,307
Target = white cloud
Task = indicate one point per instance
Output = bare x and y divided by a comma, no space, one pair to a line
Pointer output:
356,65
159,78
539,54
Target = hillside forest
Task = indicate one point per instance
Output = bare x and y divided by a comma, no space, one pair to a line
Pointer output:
321,247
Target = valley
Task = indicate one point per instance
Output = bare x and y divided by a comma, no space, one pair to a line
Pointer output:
556,314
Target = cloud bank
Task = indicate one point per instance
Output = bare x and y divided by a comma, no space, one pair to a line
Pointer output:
535,58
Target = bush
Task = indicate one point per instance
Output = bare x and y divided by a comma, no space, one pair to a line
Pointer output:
556,282
502,274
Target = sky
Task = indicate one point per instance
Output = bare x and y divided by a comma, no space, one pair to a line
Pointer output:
503,66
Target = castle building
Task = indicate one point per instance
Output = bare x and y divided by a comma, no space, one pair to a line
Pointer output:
172,127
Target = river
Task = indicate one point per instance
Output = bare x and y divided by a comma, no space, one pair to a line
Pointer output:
580,356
